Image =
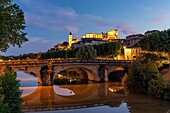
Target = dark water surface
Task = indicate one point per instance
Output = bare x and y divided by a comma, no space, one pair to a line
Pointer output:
91,98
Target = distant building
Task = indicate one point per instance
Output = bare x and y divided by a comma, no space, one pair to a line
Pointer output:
131,53
71,40
60,47
75,45
110,35
150,32
131,40
92,41
93,38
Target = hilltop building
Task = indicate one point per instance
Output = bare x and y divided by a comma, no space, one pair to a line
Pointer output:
131,48
109,36
93,38
150,32
71,40
131,40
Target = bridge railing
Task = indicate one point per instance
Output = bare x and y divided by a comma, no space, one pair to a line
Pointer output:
59,61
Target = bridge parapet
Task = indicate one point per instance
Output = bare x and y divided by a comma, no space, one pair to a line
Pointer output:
68,61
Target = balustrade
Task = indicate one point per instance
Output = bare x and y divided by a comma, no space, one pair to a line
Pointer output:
59,61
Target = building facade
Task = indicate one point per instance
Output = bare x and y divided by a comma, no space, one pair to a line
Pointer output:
131,40
110,35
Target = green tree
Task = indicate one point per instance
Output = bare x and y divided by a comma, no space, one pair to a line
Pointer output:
9,88
86,52
157,41
157,86
145,78
11,25
4,107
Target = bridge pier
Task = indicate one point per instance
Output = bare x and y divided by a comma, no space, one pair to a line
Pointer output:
47,79
105,75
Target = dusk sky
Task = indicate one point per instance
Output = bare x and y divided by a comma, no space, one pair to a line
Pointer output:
49,22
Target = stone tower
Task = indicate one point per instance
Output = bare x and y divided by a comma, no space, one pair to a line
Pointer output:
70,38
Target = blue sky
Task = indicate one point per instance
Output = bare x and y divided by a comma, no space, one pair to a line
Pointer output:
49,22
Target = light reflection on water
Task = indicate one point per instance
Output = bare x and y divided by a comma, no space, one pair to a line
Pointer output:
114,100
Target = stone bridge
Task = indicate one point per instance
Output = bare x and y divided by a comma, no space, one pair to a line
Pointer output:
97,70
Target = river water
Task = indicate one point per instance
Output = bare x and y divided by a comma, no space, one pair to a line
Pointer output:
85,98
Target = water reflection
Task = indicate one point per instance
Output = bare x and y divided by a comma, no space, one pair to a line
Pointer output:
91,94
26,80
63,91
27,90
107,97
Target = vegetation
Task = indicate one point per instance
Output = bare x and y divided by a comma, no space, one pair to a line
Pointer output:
4,107
157,58
11,33
157,41
108,49
103,50
143,75
11,25
10,93
145,78
86,52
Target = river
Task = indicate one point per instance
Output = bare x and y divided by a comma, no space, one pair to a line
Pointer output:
85,98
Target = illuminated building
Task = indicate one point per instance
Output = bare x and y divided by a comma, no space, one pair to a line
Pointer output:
93,38
132,49
109,36
71,40
131,53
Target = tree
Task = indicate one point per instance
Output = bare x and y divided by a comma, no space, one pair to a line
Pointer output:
65,44
4,107
145,78
157,41
11,25
86,52
9,90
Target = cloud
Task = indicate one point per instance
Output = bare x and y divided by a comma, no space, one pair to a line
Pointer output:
126,28
51,25
156,15
59,18
160,17
66,12
99,21
34,45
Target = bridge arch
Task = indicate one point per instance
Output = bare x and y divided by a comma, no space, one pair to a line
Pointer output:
90,70
31,71
117,74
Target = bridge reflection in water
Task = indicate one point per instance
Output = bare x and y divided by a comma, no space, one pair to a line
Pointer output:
91,95
54,97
